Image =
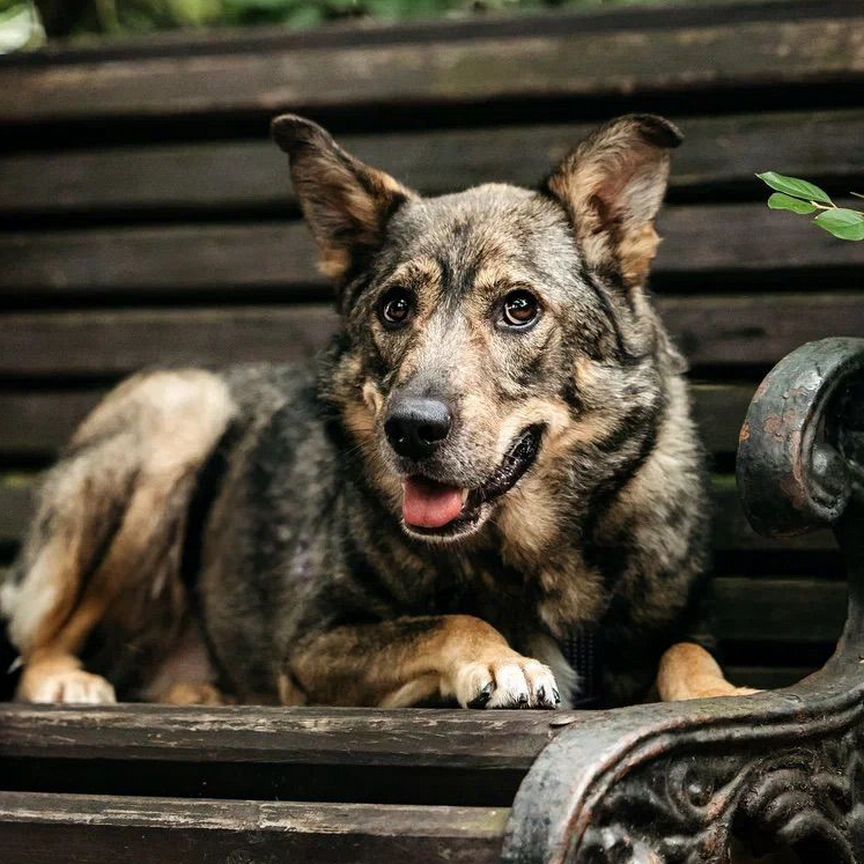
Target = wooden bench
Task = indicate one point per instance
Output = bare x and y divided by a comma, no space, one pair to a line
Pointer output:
145,218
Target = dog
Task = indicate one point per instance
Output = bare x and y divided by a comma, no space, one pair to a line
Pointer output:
493,460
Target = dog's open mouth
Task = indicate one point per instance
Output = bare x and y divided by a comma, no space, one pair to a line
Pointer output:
435,509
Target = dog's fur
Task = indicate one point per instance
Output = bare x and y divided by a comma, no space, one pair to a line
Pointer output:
238,536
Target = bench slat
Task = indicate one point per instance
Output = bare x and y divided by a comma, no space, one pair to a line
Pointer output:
46,828
767,677
452,739
711,330
381,32
779,610
557,64
16,510
718,151
742,240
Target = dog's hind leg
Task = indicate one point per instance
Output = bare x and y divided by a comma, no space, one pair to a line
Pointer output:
105,546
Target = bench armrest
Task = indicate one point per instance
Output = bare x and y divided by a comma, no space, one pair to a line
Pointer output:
685,782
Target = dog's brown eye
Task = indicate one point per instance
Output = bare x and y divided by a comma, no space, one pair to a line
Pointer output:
520,308
396,308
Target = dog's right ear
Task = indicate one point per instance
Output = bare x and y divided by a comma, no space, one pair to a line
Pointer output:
347,204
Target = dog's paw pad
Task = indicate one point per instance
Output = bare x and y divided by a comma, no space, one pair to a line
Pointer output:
70,687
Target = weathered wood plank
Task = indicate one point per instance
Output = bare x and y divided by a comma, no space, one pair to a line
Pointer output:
16,509
39,422
735,239
778,610
115,342
757,329
563,64
731,532
744,239
181,258
46,828
719,410
718,151
453,739
715,330
767,677
592,19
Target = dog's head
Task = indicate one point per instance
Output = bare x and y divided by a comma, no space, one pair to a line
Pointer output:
491,331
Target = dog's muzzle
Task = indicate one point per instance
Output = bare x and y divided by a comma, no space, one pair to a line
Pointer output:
436,510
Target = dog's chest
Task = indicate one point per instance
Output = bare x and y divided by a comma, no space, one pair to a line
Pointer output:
562,596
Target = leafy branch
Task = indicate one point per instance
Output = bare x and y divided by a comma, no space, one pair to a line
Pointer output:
799,196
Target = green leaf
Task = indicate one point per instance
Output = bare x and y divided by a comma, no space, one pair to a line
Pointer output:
779,201
842,223
794,187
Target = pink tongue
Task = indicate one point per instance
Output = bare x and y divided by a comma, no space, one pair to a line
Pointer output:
426,504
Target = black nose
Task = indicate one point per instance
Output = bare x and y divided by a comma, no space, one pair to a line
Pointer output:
416,426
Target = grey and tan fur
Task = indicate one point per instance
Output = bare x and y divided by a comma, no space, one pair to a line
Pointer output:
240,536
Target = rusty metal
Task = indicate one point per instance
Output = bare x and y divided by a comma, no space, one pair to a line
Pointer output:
781,772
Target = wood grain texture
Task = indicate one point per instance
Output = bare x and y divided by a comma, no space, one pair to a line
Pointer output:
560,64
37,423
115,342
16,509
383,32
174,259
711,330
740,239
779,610
731,532
736,240
47,829
757,329
233,175
767,677
375,32
454,739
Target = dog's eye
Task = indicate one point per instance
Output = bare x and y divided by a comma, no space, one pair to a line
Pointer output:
520,308
396,308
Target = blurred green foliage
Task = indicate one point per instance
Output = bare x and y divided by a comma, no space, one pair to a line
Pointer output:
74,17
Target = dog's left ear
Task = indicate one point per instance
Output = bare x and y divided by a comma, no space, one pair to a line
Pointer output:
347,204
612,186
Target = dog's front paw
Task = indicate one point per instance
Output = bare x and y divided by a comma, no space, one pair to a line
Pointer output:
510,682
65,687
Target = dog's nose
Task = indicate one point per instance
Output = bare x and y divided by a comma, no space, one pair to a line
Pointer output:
416,426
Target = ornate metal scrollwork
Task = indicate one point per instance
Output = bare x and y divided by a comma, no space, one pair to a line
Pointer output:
688,809
779,772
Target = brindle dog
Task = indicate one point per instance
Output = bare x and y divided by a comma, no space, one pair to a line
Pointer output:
495,452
